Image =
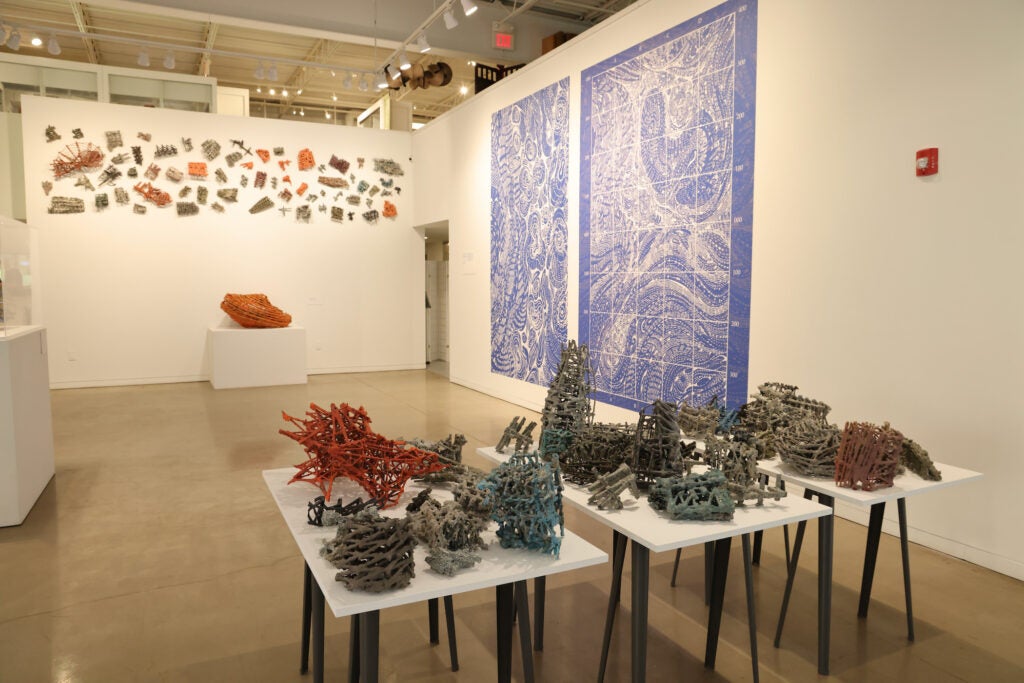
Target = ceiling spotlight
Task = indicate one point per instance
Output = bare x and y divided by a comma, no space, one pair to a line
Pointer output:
36,41
299,91
468,7
382,80
14,42
449,19
294,112
327,115
259,90
272,72
463,90
52,46
143,59
302,112
422,43
363,85
333,74
272,91
334,96
347,82
284,92
403,60
258,73
169,60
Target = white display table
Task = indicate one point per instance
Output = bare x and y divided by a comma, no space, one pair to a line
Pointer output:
250,357
26,431
499,567
650,530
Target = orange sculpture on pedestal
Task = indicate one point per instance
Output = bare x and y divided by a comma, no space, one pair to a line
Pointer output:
254,310
340,443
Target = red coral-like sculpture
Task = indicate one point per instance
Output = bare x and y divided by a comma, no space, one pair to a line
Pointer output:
77,157
254,310
340,443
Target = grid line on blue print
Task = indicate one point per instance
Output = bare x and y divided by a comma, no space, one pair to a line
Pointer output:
529,234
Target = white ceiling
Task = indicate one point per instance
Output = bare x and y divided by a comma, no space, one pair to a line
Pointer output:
314,44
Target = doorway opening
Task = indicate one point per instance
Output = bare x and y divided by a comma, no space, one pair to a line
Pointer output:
435,246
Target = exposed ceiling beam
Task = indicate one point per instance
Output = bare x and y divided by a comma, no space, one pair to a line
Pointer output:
82,21
210,35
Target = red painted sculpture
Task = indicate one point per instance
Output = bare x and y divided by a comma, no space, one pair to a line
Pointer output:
340,443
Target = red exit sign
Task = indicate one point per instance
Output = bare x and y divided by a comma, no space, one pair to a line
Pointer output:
503,36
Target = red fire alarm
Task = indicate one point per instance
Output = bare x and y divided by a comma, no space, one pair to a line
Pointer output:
928,161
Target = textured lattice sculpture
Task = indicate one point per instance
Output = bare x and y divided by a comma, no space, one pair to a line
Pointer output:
525,495
372,553
568,405
319,513
387,167
77,157
598,449
738,462
254,310
658,451
809,446
702,497
776,406
52,134
607,488
66,205
340,443
517,436
450,532
916,459
697,422
868,457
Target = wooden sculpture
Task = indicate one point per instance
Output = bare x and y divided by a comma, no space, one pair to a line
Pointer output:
254,310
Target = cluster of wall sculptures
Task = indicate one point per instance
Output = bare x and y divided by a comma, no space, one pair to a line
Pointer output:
217,175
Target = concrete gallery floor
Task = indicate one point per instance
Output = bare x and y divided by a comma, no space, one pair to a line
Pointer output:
157,554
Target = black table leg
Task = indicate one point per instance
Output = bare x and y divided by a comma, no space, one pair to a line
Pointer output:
504,601
758,538
870,556
317,617
369,646
540,585
709,568
748,575
307,614
675,567
785,540
435,638
353,650
719,576
523,608
618,559
449,618
825,528
641,581
901,506
791,575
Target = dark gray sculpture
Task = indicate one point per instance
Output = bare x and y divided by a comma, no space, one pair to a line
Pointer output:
520,437
568,407
659,451
598,449
809,446
372,553
450,532
916,459
737,462
607,488
703,497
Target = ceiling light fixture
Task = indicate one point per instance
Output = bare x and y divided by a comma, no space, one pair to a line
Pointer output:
169,60
363,85
334,96
449,19
36,41
327,115
302,112
284,92
52,46
347,83
463,90
403,60
333,74
422,43
258,73
272,72
382,80
468,7
299,91
272,91
14,42
143,59
259,89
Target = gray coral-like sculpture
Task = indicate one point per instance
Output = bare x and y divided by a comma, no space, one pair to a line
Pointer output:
809,446
703,497
372,553
598,449
450,532
607,489
915,458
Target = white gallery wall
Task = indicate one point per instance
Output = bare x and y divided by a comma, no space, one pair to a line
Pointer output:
888,296
128,298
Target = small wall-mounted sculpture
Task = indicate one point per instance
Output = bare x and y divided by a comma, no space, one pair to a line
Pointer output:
703,497
607,489
372,553
77,157
516,435
254,310
868,457
340,443
598,449
526,500
66,205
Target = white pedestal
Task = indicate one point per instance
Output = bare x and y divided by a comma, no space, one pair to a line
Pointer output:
26,430
244,357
